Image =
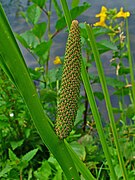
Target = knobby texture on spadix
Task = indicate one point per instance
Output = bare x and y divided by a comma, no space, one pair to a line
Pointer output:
70,85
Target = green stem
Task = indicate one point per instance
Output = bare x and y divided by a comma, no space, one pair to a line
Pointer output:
130,62
66,12
97,119
107,97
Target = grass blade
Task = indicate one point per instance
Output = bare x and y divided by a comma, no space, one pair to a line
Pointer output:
130,62
79,164
97,119
14,65
107,97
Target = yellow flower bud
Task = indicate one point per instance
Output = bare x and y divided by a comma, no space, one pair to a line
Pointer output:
57,60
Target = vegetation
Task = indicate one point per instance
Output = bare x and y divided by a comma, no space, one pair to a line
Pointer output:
36,139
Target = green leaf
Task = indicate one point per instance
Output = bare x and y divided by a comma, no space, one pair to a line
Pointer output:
118,171
58,176
122,91
5,170
40,3
44,171
124,70
39,29
130,111
75,12
53,162
12,156
117,110
42,48
79,149
33,13
114,82
99,95
57,9
3,123
48,95
52,75
79,114
15,144
75,3
28,39
98,31
28,156
14,65
107,44
21,40
35,75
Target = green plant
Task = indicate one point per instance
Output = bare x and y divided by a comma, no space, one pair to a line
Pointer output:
27,90
93,142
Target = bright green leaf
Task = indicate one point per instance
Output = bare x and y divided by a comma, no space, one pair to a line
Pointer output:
75,12
79,149
40,3
43,172
98,31
29,38
57,9
75,3
5,170
21,40
33,13
39,29
42,48
28,156
53,162
118,171
107,44
12,156
15,144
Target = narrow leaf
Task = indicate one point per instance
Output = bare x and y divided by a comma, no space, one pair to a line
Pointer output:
28,156
16,66
12,156
57,9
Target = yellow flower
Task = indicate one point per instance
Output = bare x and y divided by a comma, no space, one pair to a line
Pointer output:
122,14
102,16
57,60
102,12
101,22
